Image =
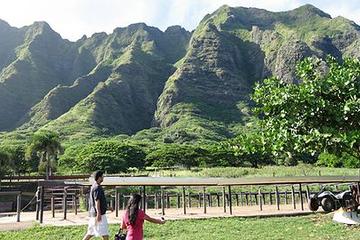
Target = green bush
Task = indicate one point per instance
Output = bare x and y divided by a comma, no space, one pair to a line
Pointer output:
169,155
251,149
350,161
329,160
217,156
110,156
68,161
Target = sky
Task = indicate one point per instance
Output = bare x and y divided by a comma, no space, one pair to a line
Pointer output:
74,18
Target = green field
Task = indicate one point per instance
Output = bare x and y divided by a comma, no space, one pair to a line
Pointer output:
319,226
265,171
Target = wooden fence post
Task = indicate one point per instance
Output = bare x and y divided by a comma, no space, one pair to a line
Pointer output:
156,204
263,198
301,197
307,193
224,199
117,201
41,204
37,203
189,199
178,200
162,201
52,206
241,199
260,200
64,202
184,199
230,200
209,199
18,207
168,203
204,199
293,196
277,197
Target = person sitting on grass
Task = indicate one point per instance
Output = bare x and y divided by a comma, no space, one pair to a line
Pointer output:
133,219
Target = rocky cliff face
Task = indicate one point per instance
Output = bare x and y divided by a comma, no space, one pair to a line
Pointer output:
235,47
133,62
41,61
190,85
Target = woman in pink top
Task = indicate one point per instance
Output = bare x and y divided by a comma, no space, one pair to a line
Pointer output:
133,219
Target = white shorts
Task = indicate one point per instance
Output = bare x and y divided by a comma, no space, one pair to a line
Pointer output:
98,229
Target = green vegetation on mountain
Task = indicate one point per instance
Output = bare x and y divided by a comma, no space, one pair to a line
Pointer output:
169,89
232,49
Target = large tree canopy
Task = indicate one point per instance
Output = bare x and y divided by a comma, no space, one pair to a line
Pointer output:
110,156
320,114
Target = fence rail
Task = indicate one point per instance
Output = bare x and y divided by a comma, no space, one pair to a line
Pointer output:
295,191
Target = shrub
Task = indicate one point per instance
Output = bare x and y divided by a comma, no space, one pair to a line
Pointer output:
110,156
329,160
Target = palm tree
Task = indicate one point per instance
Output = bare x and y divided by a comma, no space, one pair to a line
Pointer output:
46,145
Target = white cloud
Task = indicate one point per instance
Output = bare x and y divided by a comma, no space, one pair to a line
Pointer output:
73,18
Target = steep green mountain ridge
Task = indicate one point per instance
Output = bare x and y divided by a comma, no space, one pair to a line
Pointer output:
170,86
232,49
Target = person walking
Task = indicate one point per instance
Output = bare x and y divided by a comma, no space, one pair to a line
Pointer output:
133,219
98,225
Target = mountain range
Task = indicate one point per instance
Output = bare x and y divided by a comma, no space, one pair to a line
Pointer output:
169,86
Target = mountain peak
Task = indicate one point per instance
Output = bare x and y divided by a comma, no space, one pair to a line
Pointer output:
132,27
41,25
40,28
136,26
175,28
98,35
309,9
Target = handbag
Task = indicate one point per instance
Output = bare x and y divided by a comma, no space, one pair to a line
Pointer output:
120,235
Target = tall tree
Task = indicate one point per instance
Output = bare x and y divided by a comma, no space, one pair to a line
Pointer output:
46,145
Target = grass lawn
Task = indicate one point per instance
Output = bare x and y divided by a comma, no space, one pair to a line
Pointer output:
265,171
317,226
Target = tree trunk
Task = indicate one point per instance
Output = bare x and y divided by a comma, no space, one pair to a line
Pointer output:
47,165
47,172
50,171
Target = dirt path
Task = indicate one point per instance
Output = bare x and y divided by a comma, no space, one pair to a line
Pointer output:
28,218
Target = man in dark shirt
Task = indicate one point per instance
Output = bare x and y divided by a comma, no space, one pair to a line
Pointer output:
98,225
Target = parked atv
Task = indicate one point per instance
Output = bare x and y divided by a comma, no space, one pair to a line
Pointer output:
329,201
